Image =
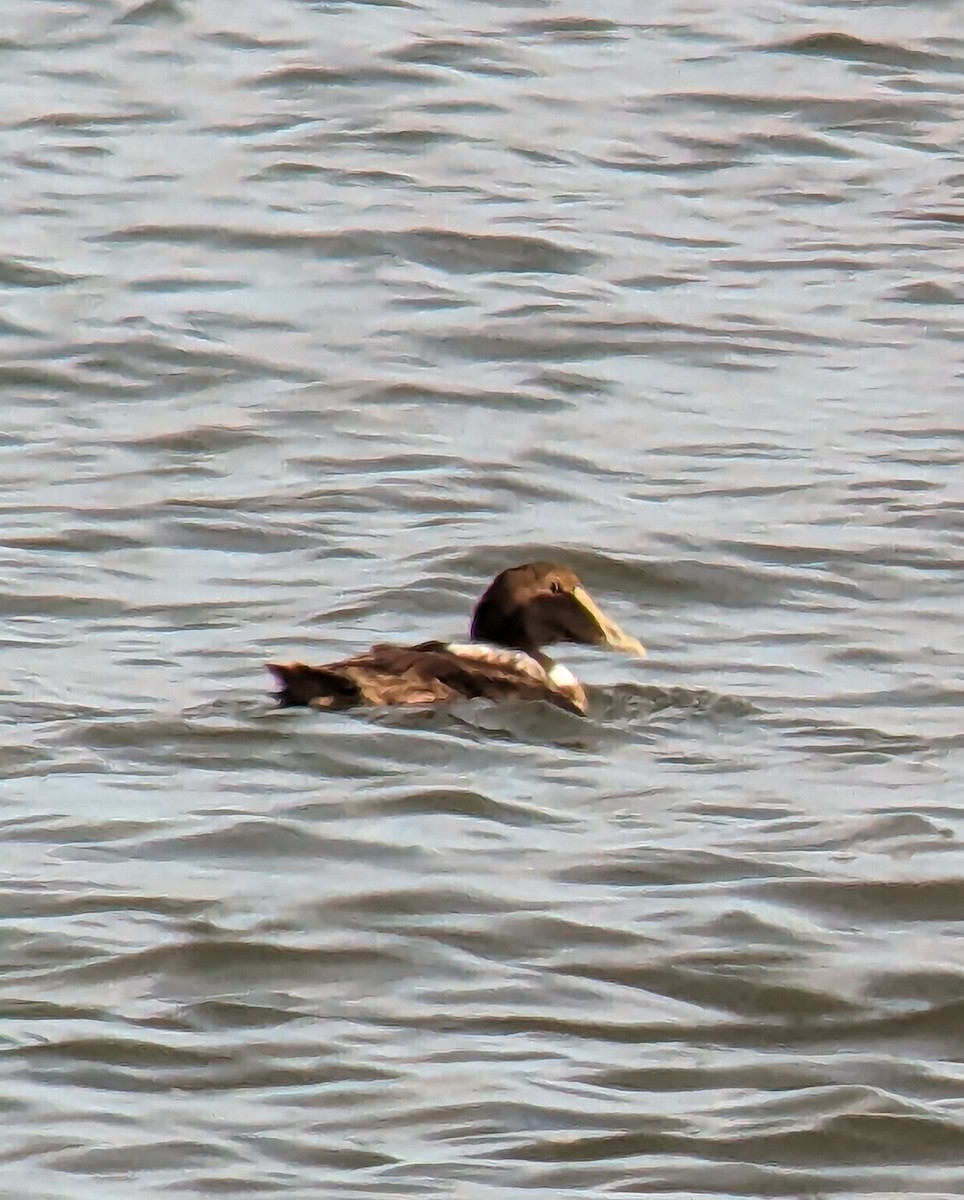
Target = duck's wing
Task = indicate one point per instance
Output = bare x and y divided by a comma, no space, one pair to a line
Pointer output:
430,673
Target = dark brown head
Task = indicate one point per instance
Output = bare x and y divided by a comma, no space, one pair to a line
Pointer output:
539,604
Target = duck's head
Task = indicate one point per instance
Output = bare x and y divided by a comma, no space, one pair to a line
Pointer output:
539,604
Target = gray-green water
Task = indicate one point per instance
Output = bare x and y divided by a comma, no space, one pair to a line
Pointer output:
316,315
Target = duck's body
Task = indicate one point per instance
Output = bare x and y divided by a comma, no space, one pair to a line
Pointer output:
430,673
523,610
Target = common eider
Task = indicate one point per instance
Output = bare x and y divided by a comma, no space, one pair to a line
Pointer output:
523,610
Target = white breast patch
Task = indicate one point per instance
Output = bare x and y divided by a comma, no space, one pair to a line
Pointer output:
561,677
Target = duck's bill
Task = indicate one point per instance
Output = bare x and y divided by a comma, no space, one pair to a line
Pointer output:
612,635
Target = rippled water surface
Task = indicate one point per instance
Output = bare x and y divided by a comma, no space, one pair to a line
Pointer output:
315,316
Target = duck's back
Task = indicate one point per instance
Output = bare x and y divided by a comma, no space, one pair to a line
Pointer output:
430,673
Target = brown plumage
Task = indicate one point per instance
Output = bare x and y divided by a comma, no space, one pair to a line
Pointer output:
523,610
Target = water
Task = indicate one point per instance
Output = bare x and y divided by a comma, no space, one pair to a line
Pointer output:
316,315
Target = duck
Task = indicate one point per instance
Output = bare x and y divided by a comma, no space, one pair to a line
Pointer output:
523,610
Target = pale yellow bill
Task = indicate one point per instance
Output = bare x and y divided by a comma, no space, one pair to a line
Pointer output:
614,636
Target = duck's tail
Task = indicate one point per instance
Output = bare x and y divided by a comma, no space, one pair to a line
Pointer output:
300,686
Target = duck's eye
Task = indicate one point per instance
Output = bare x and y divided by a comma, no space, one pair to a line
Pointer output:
555,586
